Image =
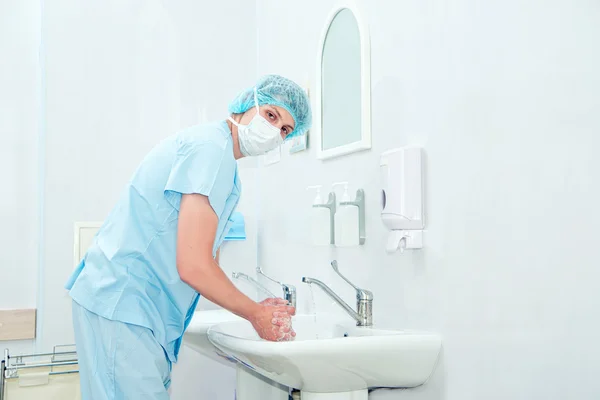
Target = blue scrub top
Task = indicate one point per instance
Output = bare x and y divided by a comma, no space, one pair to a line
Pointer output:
129,273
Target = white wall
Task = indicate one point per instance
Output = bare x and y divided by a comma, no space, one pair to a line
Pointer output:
19,122
503,95
120,77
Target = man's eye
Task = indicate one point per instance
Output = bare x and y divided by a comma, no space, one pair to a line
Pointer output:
285,131
271,115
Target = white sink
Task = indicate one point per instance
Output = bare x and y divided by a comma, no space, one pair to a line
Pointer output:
249,384
333,358
196,335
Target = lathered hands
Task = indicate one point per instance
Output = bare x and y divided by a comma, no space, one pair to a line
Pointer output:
273,320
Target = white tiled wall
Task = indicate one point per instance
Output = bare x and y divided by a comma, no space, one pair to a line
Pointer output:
503,96
19,124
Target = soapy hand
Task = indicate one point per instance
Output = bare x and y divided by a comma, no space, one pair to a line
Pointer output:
286,323
273,321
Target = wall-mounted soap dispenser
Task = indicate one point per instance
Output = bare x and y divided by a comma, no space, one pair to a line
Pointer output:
322,218
346,220
402,198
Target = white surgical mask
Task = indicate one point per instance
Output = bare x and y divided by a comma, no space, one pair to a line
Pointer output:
259,136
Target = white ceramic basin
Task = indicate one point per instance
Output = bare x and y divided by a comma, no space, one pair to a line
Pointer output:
330,358
196,335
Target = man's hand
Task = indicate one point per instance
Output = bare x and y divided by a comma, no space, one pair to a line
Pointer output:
274,320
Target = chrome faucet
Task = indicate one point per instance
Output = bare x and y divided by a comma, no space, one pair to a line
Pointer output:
289,291
364,299
241,275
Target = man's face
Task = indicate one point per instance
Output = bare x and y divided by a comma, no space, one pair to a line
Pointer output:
277,116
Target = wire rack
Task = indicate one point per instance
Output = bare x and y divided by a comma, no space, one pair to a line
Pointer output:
62,360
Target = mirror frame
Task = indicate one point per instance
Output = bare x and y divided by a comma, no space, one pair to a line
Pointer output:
365,87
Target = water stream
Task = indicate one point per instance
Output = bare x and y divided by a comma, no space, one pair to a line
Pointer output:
314,310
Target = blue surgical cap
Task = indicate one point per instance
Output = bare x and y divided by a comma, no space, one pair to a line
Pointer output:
278,91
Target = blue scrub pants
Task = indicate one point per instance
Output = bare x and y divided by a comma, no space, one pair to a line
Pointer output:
118,360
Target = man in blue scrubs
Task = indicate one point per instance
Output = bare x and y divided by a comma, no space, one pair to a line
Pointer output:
138,285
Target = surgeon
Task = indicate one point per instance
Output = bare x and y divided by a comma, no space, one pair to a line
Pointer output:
138,285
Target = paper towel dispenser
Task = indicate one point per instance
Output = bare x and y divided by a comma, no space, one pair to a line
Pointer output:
402,197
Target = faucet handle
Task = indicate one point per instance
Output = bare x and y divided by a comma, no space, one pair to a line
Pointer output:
361,294
289,291
260,272
241,275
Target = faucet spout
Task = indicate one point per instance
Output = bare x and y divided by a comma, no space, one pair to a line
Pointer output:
364,298
334,297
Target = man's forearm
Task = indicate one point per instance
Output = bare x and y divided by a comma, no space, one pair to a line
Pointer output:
211,282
